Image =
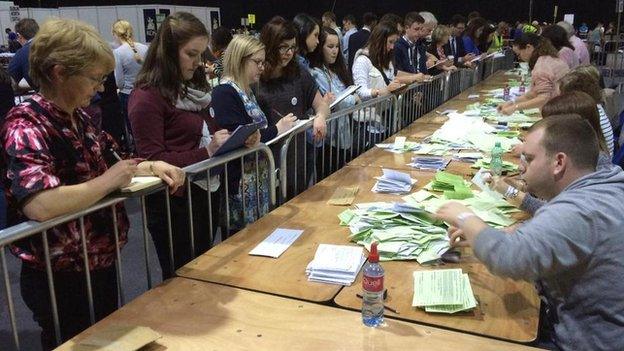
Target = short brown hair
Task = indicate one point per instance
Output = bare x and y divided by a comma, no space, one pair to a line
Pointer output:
27,28
572,135
577,102
73,44
577,81
412,17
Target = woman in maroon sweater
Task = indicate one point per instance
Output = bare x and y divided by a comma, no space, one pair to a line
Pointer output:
168,113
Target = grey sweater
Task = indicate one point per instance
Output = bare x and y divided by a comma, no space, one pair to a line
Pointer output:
531,204
574,249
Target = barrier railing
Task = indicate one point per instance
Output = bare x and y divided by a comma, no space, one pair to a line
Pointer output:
302,162
258,157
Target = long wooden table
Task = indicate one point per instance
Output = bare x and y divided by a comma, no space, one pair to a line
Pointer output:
194,316
508,310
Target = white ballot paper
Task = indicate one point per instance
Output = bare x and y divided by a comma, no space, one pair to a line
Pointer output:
276,243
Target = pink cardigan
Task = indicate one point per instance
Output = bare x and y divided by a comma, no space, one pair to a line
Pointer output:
569,56
545,75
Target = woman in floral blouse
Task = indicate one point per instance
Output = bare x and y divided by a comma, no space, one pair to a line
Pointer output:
55,163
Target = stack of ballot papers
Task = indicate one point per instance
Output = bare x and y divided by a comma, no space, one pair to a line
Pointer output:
443,291
403,231
434,149
452,185
485,163
399,149
393,182
516,117
470,157
335,264
429,163
487,205
471,132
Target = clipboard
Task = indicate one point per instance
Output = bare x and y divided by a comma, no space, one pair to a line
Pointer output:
238,138
345,94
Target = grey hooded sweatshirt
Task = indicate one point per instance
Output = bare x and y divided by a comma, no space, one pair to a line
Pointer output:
573,249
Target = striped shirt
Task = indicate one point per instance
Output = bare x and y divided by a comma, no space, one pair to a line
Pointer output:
607,131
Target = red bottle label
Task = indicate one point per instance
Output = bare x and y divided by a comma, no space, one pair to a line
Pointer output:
374,284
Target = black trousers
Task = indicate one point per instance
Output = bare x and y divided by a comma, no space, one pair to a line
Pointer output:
71,297
180,229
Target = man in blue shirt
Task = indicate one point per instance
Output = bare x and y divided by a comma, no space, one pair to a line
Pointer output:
26,30
456,44
410,57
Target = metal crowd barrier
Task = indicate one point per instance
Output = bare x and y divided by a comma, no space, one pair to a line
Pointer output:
302,163
204,169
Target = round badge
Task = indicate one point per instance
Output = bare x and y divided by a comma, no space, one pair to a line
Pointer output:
211,111
294,101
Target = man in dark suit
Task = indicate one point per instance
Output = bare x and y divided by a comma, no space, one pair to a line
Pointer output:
455,46
359,39
26,29
410,54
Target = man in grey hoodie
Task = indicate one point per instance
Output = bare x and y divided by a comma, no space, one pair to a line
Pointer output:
573,247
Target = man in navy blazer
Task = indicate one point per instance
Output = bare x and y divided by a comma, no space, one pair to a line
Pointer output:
455,46
26,30
410,56
358,39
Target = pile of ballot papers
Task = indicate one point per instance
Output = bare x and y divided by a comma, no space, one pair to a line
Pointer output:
471,133
403,231
485,163
393,182
335,264
398,148
487,205
453,186
430,163
443,291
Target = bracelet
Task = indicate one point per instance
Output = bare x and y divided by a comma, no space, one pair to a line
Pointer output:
462,217
511,193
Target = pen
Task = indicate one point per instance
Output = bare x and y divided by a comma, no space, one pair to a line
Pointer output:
278,113
385,306
115,154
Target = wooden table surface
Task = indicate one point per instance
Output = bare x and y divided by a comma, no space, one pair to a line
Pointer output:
193,316
508,310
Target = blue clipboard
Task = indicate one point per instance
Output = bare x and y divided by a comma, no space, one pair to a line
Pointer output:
238,138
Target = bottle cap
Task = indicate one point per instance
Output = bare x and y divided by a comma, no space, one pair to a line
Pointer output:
373,256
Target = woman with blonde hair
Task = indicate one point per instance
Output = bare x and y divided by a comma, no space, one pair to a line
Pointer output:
129,56
235,104
55,162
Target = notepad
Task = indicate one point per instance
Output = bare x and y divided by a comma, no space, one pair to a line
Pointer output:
140,182
343,196
345,94
276,243
298,124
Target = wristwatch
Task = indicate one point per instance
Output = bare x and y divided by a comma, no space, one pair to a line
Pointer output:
511,193
462,217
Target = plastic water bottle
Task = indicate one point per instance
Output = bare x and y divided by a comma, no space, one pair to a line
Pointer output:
522,88
373,288
496,163
506,93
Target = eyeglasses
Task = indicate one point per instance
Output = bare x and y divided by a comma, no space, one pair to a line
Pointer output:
259,63
96,81
284,49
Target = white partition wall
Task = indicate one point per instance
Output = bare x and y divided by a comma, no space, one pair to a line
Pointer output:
102,17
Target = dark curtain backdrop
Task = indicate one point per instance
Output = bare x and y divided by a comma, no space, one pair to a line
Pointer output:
589,11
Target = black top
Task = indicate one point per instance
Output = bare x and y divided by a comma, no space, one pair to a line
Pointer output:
287,95
459,51
229,112
357,41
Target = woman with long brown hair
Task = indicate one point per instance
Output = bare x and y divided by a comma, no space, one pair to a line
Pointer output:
546,69
287,90
168,111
